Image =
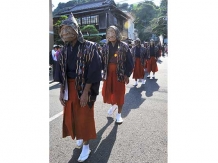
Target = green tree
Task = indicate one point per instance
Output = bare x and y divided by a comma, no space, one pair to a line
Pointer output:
123,6
68,5
159,26
62,6
92,32
57,39
144,13
163,7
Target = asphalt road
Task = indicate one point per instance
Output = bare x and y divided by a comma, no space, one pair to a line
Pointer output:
142,138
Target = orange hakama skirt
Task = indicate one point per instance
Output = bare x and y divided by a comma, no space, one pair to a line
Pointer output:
113,91
78,122
138,72
152,65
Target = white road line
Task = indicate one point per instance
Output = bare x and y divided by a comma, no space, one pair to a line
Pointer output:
55,116
58,115
52,84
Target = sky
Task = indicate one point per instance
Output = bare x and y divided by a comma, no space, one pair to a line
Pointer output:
56,2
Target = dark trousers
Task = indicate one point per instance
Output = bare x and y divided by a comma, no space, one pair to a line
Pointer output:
54,68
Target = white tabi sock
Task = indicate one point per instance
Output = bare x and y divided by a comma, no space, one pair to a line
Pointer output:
136,83
85,150
79,142
118,115
119,119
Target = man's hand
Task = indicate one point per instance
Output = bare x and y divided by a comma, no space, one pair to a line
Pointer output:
84,99
126,79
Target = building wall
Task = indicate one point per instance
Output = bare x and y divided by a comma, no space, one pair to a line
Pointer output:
136,33
117,21
112,19
124,30
51,32
131,29
103,21
106,19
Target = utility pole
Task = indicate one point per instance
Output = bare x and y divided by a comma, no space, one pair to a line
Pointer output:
51,31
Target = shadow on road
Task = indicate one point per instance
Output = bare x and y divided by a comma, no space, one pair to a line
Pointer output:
54,86
133,99
159,61
151,86
51,82
100,149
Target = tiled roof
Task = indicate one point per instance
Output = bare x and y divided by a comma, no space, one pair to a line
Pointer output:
86,6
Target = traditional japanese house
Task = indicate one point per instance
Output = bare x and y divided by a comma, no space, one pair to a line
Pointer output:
102,14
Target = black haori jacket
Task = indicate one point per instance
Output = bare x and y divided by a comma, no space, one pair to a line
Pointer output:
148,52
124,61
88,70
142,54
